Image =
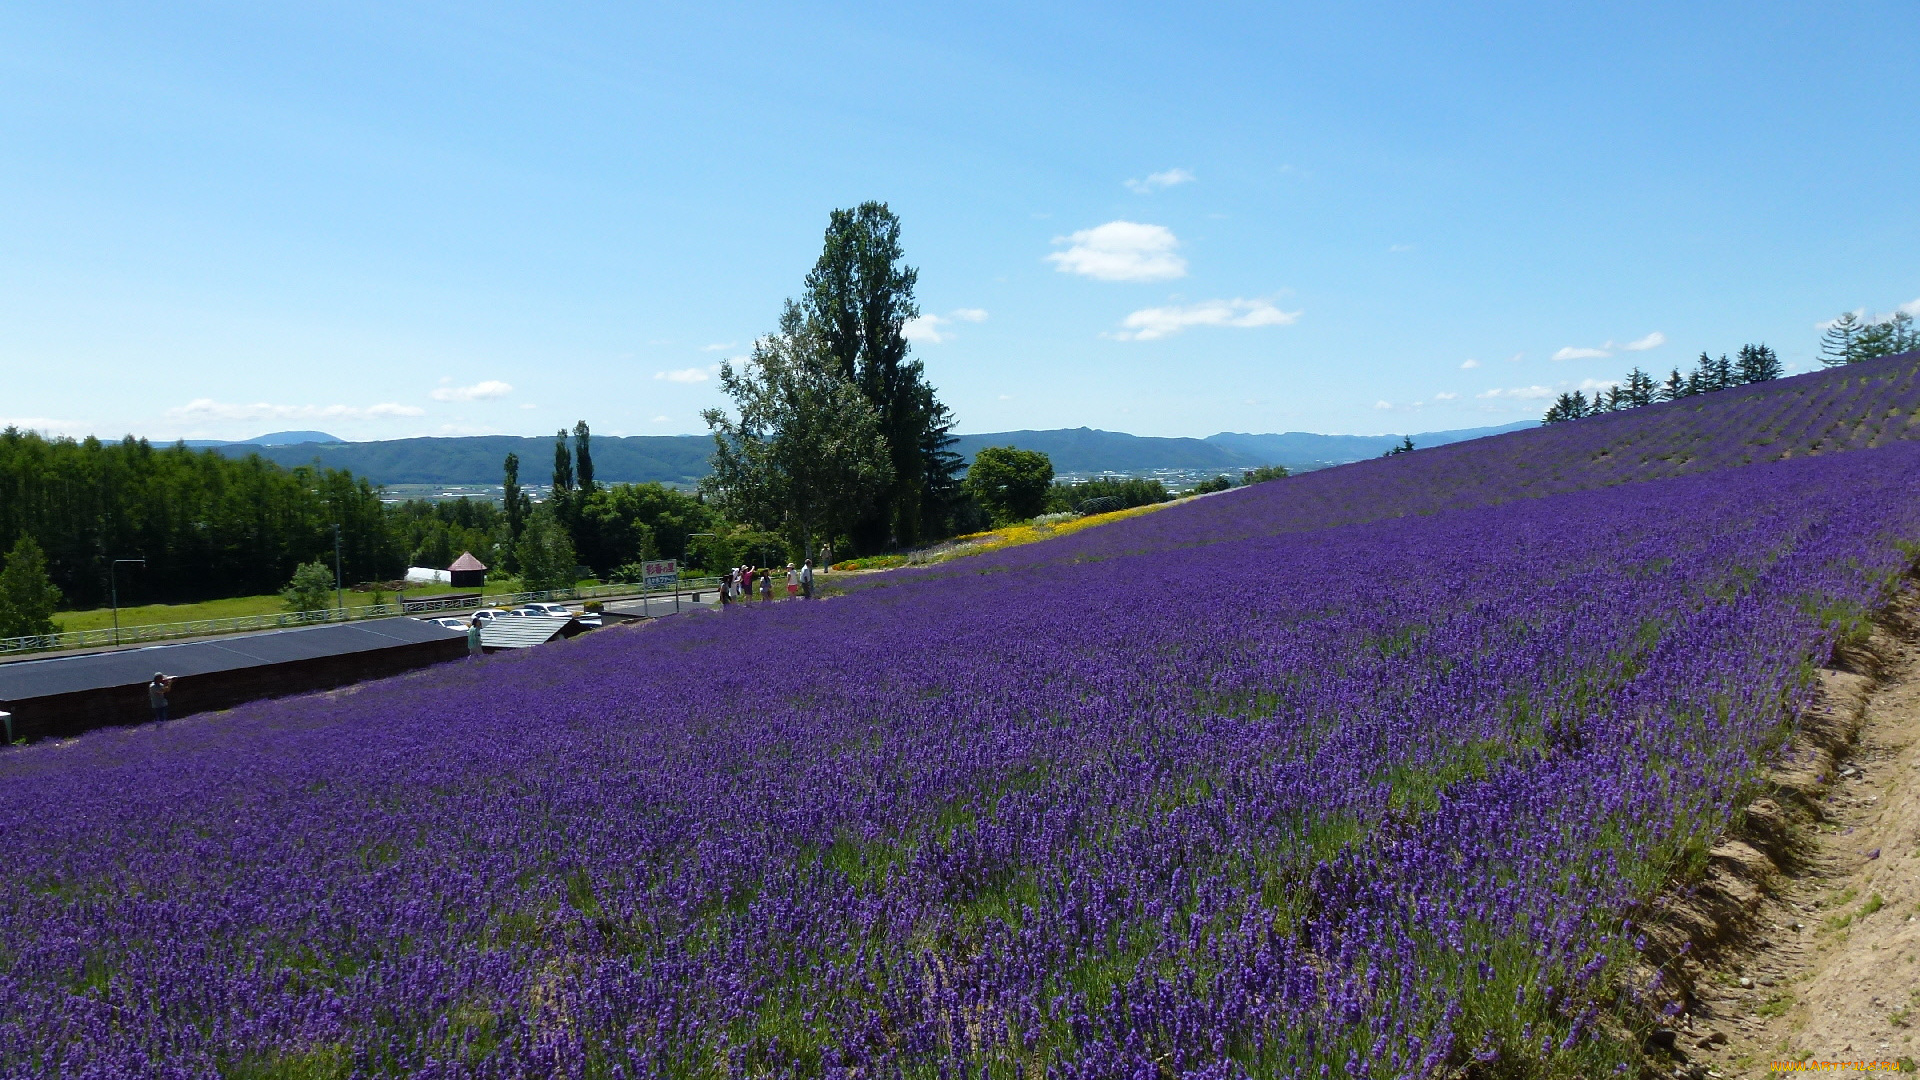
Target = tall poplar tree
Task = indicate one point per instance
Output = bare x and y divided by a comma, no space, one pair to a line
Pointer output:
562,467
858,299
582,458
516,510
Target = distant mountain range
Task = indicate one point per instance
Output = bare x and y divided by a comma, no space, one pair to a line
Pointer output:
682,459
277,438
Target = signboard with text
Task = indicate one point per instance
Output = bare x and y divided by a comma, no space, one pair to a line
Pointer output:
660,573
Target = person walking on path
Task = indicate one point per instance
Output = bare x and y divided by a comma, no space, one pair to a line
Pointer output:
157,695
793,582
806,579
766,584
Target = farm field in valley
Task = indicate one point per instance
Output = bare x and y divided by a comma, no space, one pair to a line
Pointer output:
1357,773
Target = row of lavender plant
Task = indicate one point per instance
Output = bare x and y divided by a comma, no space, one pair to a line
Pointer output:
1367,799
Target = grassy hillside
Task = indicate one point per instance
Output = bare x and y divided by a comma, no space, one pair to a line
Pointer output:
1836,411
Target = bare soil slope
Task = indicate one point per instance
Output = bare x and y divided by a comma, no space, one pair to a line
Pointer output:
1830,967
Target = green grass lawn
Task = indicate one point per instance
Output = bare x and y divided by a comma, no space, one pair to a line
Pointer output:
236,606
148,614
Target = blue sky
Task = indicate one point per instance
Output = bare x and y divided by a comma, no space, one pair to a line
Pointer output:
389,220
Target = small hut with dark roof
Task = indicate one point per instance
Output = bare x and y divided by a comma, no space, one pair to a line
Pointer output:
468,572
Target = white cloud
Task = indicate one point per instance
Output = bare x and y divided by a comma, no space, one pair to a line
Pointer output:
1597,384
1159,180
1516,358
1149,323
925,329
662,419
45,425
684,375
1121,251
1383,404
209,409
1399,248
1571,353
480,391
717,348
1912,307
1470,364
1520,393
1445,396
1651,341
1006,397
529,405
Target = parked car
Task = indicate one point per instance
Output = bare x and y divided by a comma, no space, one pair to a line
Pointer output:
489,614
451,624
560,611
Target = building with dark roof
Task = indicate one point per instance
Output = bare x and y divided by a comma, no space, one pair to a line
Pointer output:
66,695
468,572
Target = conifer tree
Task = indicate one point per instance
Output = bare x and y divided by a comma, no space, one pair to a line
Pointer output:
1674,388
1640,389
1758,364
1837,342
28,596
1700,380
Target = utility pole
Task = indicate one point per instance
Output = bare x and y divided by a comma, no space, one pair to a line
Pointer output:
113,586
339,594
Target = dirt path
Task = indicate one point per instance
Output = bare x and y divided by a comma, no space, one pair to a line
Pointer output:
1831,971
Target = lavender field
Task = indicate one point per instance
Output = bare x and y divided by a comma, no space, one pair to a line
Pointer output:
1360,773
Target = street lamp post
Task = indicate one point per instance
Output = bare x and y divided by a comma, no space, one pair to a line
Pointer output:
113,587
339,596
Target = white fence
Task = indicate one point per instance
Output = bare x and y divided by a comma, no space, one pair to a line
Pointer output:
133,635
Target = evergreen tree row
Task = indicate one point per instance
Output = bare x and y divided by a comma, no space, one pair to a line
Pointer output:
1755,363
206,525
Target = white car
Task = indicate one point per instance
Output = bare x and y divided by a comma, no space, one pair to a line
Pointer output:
560,611
451,624
489,614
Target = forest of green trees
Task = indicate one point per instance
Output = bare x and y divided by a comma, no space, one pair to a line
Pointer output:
209,526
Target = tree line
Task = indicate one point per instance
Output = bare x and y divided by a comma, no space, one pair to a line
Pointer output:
1849,338
1756,363
206,525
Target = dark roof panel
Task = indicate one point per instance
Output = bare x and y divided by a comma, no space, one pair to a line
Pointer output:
25,679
